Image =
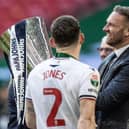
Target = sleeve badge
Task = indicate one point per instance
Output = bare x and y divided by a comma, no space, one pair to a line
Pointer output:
94,80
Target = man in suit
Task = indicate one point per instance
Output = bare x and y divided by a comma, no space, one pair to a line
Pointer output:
112,106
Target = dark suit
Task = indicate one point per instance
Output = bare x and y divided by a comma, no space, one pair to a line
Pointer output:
112,104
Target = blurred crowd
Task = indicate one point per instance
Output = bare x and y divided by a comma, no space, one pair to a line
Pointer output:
3,97
3,104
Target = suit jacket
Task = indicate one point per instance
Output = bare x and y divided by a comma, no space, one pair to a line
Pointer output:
112,106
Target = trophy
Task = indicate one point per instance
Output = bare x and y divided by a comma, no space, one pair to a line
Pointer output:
26,44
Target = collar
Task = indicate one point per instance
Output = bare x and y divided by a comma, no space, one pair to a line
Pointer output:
121,50
64,55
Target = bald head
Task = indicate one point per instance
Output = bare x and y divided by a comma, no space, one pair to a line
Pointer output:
105,49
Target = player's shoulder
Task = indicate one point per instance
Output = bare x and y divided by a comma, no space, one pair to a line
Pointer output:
87,71
83,66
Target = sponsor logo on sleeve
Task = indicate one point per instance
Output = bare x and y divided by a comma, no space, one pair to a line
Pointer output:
94,80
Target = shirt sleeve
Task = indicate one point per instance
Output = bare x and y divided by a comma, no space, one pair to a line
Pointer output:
90,85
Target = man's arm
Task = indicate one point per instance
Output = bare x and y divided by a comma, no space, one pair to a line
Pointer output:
30,117
87,114
116,92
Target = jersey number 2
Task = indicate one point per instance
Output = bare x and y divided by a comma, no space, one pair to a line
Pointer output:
51,121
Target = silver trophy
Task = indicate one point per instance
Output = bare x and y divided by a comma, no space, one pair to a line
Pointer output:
28,47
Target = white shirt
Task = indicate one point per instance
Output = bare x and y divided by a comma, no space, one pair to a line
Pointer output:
56,86
121,50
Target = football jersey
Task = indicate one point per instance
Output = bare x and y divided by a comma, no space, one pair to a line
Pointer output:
56,86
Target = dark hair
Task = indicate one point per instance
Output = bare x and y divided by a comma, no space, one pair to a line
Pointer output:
65,30
123,10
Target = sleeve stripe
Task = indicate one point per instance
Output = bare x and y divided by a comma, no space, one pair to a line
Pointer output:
87,96
28,98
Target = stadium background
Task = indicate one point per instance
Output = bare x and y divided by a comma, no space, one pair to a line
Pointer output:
91,13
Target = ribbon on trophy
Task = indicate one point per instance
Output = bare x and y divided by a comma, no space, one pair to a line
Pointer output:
18,64
28,47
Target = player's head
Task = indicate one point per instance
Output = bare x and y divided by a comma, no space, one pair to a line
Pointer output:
117,27
65,31
104,49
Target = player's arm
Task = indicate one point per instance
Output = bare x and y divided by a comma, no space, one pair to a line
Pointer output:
87,96
30,117
87,114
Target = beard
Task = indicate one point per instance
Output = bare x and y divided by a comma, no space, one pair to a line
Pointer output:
114,40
